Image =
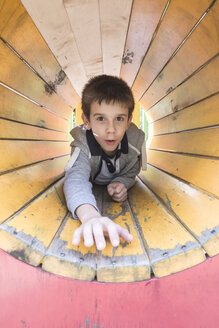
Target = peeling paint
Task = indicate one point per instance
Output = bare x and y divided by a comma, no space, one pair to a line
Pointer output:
128,57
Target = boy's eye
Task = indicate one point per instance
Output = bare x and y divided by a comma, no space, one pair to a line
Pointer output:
120,118
100,118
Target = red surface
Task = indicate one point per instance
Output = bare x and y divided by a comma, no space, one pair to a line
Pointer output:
32,298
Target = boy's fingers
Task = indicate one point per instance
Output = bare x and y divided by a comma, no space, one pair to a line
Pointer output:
124,234
98,236
88,236
113,235
77,236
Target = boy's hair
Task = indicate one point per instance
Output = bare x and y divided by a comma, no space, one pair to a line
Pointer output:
109,89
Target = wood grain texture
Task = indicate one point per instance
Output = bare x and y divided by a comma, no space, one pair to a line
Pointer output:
200,142
17,108
114,18
170,246
199,171
196,210
169,36
19,153
87,33
19,187
203,114
32,230
56,30
144,18
199,86
201,45
20,77
18,29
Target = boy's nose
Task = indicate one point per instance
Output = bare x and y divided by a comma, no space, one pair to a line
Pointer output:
110,127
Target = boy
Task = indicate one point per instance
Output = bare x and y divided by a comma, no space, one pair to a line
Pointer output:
106,150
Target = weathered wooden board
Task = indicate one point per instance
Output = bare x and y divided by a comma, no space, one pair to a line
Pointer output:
19,153
114,18
20,77
170,246
32,230
199,171
169,36
129,261
201,45
86,29
144,18
56,30
203,114
65,259
195,209
17,108
201,142
18,29
14,130
201,85
19,187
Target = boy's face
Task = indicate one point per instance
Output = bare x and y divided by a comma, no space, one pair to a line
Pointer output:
109,123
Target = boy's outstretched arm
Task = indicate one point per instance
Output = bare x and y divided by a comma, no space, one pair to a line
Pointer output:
94,227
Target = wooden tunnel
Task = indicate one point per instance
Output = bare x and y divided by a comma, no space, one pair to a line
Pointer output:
167,51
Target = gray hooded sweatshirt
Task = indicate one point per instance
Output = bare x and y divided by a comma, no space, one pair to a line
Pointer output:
89,163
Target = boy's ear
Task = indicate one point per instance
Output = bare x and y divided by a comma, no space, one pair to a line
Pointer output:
86,121
130,120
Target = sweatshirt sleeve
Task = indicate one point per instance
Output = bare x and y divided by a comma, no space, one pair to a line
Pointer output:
77,187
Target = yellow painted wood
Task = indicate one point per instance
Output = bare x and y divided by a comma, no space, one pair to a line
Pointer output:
201,45
79,120
200,142
197,210
114,17
128,262
36,226
15,107
167,39
65,259
18,153
201,85
19,187
136,115
20,77
13,130
202,114
19,249
199,171
18,29
143,22
59,36
168,243
83,25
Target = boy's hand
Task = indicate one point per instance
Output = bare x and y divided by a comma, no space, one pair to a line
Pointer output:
117,191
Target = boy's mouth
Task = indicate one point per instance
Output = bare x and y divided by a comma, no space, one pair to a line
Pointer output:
110,142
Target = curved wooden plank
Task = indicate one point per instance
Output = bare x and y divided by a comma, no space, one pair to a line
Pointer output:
200,142
203,114
168,38
19,153
199,171
62,258
20,77
170,246
19,187
201,45
199,86
195,209
18,29
31,231
144,18
114,18
82,25
127,262
60,40
14,130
